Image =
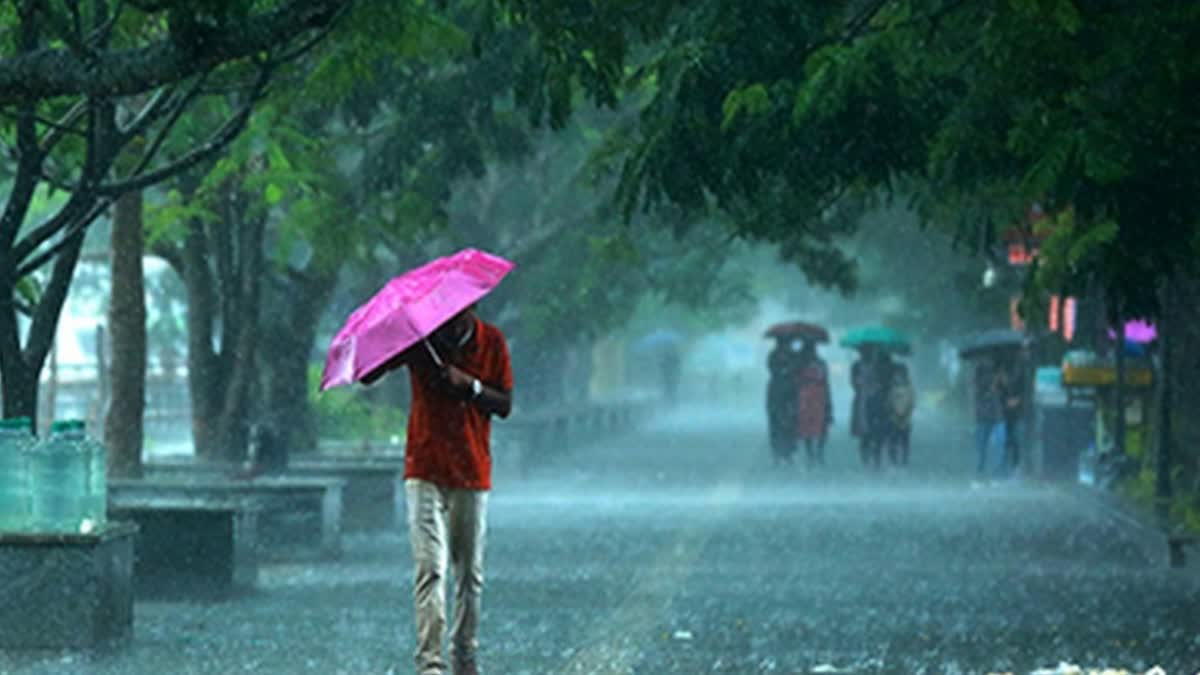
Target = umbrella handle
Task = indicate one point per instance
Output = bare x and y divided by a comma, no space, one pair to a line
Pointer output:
433,352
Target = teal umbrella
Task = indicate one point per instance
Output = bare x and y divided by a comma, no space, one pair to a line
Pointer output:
878,336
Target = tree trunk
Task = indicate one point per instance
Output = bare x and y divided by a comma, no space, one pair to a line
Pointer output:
20,390
243,283
49,395
236,411
222,268
290,328
204,372
1162,484
123,425
103,386
20,366
1119,390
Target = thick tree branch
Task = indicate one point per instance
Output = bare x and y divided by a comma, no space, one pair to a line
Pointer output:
28,164
216,144
73,230
48,73
150,112
49,307
28,169
95,165
171,254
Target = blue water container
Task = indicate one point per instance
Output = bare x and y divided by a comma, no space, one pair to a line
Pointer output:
58,471
16,440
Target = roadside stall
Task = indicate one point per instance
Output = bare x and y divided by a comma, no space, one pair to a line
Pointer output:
1089,378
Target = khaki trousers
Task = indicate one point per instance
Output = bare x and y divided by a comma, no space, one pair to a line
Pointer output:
446,528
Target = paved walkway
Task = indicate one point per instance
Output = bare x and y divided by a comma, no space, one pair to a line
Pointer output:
682,550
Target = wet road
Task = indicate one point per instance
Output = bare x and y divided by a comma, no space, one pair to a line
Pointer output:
681,550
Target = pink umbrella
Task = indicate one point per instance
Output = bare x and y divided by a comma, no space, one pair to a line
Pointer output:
1137,331
407,310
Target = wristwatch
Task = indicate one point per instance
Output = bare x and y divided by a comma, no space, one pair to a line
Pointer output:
476,388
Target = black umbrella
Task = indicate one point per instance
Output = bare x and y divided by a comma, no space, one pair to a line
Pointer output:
991,341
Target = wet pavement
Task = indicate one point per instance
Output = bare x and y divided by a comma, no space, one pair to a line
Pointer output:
681,549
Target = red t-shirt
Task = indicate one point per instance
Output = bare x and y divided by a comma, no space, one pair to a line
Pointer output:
449,439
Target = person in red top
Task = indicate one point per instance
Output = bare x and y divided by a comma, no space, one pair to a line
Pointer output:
459,382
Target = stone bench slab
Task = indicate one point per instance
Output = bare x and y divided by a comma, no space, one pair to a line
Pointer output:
289,505
66,591
192,547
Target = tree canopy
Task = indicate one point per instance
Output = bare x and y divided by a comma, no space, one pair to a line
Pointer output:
93,98
786,115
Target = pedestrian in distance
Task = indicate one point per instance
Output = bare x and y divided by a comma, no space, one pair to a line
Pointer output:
814,403
902,400
860,385
989,418
460,379
782,397
869,376
1010,384
878,407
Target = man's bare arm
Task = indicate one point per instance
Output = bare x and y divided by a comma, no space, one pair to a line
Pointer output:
489,399
386,367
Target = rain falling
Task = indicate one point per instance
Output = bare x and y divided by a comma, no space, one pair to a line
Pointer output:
533,337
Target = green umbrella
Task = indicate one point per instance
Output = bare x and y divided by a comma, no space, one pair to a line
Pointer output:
878,336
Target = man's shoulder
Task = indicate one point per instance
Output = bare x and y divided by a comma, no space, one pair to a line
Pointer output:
491,335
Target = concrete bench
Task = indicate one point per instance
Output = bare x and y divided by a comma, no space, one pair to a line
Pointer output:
190,546
295,511
372,488
368,497
66,591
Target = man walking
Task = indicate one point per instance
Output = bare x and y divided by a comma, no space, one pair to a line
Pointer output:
989,418
460,378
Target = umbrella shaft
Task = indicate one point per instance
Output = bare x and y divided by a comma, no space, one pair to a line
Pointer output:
433,352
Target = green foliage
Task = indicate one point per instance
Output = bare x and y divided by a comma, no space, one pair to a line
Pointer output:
344,414
977,110
1186,511
1183,509
168,218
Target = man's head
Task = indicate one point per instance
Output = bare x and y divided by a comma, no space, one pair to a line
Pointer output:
453,331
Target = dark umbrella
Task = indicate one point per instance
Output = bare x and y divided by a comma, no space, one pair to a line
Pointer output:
798,330
991,341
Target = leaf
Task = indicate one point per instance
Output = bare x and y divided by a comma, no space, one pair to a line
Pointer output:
273,194
1048,169
752,99
1094,238
29,290
170,219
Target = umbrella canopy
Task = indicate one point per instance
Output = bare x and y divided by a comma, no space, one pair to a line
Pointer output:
878,336
1140,332
408,309
798,330
991,341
